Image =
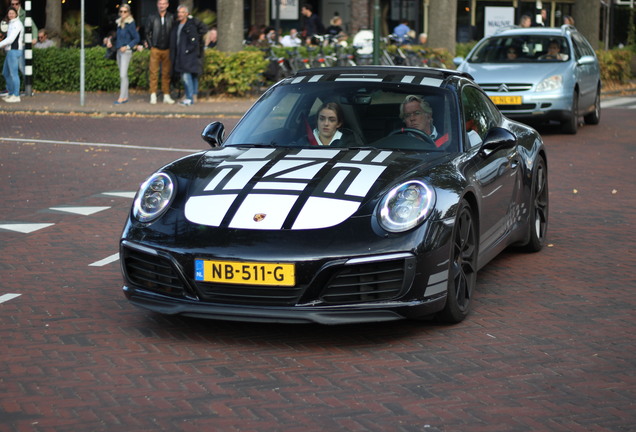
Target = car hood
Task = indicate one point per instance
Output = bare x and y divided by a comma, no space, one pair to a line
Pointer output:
296,189
530,73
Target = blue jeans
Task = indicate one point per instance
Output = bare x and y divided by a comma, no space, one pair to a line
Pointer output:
123,62
10,71
191,84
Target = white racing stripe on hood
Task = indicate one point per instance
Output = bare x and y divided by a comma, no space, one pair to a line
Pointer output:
237,194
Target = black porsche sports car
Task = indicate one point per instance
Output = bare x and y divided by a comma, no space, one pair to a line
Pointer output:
387,222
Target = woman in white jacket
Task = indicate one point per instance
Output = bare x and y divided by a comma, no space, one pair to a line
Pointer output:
13,44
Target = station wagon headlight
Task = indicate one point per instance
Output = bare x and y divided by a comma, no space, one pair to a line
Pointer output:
154,197
406,206
554,82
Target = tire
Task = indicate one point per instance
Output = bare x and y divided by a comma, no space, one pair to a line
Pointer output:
539,209
571,123
594,117
462,277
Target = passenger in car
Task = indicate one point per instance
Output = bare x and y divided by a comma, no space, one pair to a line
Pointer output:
330,119
554,52
329,129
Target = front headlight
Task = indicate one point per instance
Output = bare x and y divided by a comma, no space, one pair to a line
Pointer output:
154,197
555,82
406,206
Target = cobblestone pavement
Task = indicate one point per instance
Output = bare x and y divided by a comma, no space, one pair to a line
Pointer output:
549,345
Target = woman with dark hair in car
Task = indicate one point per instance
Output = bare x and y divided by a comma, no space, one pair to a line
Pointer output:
330,119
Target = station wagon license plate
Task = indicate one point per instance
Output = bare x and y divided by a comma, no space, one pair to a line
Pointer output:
245,273
506,100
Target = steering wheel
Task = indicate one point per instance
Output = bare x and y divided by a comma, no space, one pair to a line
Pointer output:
416,132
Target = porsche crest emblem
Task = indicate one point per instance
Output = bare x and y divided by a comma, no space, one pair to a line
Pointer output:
259,217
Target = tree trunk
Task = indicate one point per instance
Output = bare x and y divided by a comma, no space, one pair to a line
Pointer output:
587,14
54,20
442,24
230,25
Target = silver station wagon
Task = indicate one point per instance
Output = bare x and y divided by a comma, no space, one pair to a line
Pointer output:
539,74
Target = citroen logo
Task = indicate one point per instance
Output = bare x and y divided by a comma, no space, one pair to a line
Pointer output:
503,88
259,217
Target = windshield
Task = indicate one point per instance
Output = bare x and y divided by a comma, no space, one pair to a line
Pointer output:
355,113
521,48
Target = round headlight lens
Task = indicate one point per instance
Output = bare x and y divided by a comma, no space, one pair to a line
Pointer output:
154,197
406,206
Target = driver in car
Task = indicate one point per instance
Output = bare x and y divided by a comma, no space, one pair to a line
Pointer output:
416,113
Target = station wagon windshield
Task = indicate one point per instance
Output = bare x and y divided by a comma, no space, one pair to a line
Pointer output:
522,48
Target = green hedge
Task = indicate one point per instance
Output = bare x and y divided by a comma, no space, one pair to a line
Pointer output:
615,65
224,73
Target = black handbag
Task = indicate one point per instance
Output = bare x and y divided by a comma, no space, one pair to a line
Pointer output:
111,53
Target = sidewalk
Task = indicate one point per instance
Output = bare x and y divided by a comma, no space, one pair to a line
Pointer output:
103,104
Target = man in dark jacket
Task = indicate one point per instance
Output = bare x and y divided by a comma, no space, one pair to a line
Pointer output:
158,28
312,23
185,52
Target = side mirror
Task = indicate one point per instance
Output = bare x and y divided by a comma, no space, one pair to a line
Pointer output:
213,134
588,59
497,139
458,60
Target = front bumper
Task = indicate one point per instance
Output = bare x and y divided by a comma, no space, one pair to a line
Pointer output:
374,288
537,106
330,315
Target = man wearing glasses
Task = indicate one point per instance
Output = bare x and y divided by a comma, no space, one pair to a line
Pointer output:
22,15
43,40
418,114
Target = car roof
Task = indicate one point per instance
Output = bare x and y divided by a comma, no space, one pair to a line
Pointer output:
548,31
388,74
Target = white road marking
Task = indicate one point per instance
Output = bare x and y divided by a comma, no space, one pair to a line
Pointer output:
86,211
7,297
25,228
88,144
617,102
105,261
130,195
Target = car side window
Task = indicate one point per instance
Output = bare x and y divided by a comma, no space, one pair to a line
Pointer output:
581,46
479,115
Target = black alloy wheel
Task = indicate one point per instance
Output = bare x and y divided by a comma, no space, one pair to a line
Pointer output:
539,208
463,267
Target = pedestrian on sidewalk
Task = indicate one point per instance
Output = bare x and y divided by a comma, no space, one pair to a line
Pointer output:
127,39
186,52
158,28
34,29
13,45
43,40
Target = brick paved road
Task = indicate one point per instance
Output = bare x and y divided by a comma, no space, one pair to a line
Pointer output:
549,345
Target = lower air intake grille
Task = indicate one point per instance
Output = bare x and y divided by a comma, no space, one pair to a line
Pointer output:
152,273
249,295
375,281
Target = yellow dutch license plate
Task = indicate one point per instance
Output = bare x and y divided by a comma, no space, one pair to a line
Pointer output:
506,100
245,273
